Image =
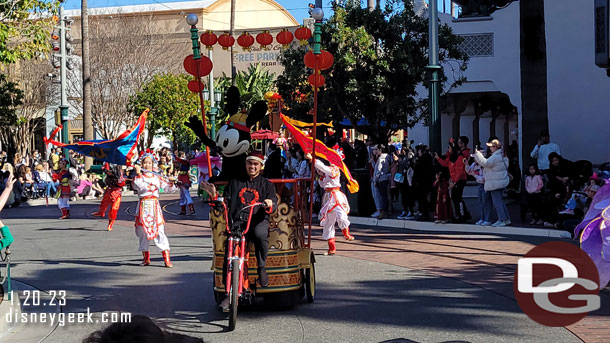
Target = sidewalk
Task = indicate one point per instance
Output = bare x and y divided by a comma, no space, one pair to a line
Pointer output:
485,261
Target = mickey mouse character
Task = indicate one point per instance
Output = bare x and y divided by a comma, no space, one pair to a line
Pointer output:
233,138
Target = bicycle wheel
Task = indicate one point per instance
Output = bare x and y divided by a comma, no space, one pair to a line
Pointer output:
234,296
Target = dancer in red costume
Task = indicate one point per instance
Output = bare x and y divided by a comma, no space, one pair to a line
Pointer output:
112,194
64,189
184,182
334,204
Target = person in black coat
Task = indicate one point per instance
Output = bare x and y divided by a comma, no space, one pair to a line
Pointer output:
273,164
423,179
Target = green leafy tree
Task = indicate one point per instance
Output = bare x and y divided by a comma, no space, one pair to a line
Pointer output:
379,62
171,103
25,28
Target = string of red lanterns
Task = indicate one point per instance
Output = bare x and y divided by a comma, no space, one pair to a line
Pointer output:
205,67
246,40
325,61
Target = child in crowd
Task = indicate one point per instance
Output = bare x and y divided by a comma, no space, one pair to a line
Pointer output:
583,198
443,202
533,186
484,198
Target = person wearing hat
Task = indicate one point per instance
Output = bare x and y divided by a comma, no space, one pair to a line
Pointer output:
241,192
495,173
150,224
63,176
112,195
184,183
542,150
335,207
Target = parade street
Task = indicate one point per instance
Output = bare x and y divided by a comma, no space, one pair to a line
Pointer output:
389,285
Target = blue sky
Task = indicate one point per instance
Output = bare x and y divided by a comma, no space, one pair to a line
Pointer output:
298,8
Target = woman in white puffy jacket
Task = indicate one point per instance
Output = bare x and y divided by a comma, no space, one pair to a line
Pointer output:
495,172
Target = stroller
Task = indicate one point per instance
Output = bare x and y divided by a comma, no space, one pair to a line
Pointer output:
35,190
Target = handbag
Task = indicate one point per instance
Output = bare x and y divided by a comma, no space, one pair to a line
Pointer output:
399,177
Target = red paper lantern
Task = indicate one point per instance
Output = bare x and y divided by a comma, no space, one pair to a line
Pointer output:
226,41
205,65
325,60
303,34
245,40
193,86
264,38
316,80
208,39
284,37
189,65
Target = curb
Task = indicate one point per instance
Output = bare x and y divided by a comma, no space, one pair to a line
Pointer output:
468,228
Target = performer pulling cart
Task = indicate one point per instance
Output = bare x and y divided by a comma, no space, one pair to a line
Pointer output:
112,195
150,225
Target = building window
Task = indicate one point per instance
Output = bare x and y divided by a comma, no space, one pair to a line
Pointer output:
478,45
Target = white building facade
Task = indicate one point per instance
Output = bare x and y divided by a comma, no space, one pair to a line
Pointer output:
490,102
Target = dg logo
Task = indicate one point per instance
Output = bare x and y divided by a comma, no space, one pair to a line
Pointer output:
557,284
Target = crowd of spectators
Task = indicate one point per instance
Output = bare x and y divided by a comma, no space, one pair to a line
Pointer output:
408,181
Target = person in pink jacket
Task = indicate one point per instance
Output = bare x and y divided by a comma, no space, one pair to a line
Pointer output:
533,187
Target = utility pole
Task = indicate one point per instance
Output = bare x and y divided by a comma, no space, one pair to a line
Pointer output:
211,96
433,67
232,26
87,120
63,105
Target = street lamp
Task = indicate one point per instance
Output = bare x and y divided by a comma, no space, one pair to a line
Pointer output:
192,20
214,109
434,130
317,14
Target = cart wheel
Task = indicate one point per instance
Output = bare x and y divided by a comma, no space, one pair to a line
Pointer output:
233,295
310,283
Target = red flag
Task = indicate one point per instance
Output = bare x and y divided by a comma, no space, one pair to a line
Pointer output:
322,151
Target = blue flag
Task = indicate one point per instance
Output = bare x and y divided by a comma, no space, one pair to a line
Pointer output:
118,151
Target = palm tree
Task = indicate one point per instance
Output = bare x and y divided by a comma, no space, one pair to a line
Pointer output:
533,74
252,84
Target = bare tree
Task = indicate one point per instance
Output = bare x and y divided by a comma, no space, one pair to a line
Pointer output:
126,52
31,76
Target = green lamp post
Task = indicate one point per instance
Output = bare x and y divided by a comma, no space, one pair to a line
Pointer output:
214,109
434,68
192,20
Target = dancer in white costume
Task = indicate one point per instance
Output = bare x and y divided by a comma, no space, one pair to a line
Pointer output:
334,205
149,216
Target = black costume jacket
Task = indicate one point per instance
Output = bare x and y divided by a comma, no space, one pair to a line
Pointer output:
241,192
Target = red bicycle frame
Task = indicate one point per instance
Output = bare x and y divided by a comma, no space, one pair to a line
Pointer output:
241,240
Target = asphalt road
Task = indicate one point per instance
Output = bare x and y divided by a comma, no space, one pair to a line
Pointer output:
357,300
